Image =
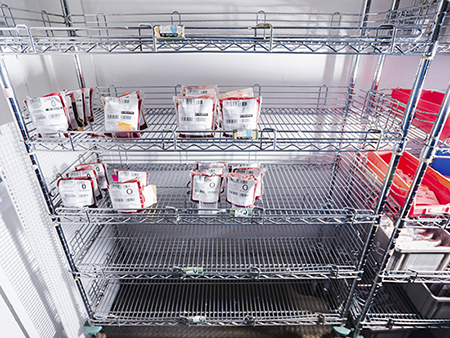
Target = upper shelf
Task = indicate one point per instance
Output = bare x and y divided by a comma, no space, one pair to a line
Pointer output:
293,118
404,31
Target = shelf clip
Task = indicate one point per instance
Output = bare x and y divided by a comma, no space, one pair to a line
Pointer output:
250,320
255,270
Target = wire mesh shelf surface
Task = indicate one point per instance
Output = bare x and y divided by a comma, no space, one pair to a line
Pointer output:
228,303
311,222
403,31
334,190
301,252
392,309
292,118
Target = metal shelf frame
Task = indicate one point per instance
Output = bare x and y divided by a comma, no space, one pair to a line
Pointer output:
301,252
405,31
393,310
117,300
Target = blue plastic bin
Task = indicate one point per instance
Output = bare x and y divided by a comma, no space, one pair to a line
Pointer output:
442,164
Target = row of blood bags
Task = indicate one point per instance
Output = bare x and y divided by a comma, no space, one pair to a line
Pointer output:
85,186
71,110
201,110
68,110
242,184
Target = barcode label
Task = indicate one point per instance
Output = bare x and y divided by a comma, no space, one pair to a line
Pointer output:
193,101
127,117
130,199
187,119
235,103
118,200
70,195
232,121
113,117
41,117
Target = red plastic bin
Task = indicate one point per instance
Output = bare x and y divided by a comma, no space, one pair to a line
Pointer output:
427,109
378,162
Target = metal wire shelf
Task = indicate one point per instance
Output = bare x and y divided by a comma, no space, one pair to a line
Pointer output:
119,252
335,189
228,303
294,118
392,309
404,31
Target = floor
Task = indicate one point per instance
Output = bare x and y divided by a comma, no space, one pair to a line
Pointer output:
209,332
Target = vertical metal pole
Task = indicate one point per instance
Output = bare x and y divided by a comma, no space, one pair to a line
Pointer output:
406,122
395,4
377,75
80,77
387,182
76,57
11,97
426,157
356,60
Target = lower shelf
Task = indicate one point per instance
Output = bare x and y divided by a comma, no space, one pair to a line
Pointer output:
130,256
392,309
217,303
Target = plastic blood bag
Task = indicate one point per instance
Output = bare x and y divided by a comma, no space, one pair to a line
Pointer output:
49,113
241,190
195,115
77,192
240,113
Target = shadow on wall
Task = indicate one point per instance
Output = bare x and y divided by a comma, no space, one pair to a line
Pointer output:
21,268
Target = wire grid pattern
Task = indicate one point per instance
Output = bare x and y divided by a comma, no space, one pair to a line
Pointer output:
32,211
392,309
222,303
291,192
135,253
404,31
292,119
308,220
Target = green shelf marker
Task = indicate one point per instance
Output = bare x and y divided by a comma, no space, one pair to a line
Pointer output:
194,271
197,319
241,212
247,134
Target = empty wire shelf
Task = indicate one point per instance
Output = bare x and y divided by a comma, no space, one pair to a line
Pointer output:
392,309
120,252
228,303
308,119
403,31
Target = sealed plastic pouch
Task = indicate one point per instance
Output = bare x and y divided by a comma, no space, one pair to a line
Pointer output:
195,115
205,188
48,113
240,113
127,195
256,173
199,90
77,192
241,190
100,169
126,175
88,172
121,113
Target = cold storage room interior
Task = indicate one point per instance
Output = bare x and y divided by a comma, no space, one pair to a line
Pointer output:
225,169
